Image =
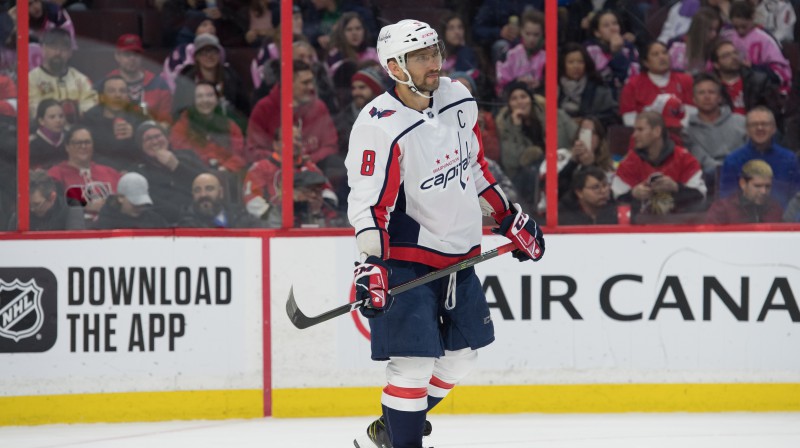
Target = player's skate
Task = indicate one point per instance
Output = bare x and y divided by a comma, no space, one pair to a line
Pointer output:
378,437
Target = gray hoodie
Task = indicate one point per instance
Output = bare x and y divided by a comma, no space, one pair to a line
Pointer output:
710,143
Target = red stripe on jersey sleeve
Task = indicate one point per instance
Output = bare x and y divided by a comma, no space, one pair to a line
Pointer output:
481,159
388,196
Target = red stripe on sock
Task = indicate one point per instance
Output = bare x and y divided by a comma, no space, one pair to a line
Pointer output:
441,384
406,392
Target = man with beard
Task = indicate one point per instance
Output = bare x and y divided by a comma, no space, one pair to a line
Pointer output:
753,204
590,202
112,123
420,185
56,79
311,116
365,85
746,87
146,89
210,209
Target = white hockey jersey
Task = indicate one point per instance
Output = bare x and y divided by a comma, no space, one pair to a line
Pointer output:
416,178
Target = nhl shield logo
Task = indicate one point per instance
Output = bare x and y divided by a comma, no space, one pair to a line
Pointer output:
21,314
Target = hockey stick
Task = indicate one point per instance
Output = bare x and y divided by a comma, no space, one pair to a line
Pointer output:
302,321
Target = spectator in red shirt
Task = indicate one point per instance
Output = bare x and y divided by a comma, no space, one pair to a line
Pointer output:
658,177
753,204
83,180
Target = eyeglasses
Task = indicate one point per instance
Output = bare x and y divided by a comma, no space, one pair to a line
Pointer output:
598,187
152,138
80,143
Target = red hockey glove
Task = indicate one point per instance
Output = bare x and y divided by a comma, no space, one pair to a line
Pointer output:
371,279
523,231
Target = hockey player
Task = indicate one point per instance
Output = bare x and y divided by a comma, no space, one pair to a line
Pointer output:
419,186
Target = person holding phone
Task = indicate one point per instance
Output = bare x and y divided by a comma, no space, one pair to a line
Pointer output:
589,150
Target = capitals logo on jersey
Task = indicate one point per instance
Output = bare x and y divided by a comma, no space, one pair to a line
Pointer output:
381,113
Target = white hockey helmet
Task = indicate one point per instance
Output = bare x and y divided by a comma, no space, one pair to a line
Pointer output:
405,36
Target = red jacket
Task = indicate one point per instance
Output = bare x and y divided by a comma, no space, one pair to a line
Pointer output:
8,97
214,153
736,209
640,91
156,95
319,133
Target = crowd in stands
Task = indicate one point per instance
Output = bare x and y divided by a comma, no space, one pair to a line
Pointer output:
679,111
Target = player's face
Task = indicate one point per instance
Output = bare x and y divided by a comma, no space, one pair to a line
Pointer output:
361,94
454,33
531,34
128,61
728,59
205,99
574,65
706,96
115,94
354,33
595,193
207,195
80,147
53,119
303,88
607,27
644,135
657,59
757,189
760,127
425,67
153,141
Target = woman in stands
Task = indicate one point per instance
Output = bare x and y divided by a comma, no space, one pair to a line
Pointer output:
582,156
183,54
349,43
47,144
658,78
581,91
692,51
460,56
206,129
614,57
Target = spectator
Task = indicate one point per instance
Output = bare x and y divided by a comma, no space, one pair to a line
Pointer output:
590,200
792,213
679,20
658,177
8,97
745,87
349,43
183,54
581,91
209,66
521,140
525,62
761,130
753,203
261,16
641,90
83,180
47,144
614,57
691,52
757,46
320,19
777,17
146,89
673,111
210,208
49,211
131,207
460,57
366,84
486,124
713,132
56,79
320,142
169,172
496,25
206,129
112,123
583,156
270,51
723,7
45,16
310,208
581,12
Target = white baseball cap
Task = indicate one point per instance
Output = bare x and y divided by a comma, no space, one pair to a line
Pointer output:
134,187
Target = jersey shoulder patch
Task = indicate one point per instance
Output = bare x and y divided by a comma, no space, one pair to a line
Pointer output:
381,113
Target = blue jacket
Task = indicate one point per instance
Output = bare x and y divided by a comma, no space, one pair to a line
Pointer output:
785,169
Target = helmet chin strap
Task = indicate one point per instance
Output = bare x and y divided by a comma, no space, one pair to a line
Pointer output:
409,83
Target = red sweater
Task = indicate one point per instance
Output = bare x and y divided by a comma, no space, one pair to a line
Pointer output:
231,157
640,91
735,209
101,181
